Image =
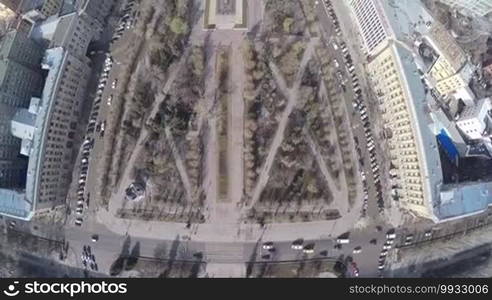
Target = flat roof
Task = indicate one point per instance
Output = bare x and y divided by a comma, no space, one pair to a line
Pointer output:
406,17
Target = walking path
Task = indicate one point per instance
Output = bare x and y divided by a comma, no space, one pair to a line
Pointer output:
291,95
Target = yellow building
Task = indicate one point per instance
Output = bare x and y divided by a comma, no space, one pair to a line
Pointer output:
449,71
451,84
398,97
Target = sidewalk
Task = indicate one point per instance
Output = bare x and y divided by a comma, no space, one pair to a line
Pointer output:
228,231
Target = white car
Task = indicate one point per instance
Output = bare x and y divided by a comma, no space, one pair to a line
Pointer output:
381,267
357,250
110,100
297,244
296,247
267,245
308,250
428,233
386,247
384,252
78,221
114,84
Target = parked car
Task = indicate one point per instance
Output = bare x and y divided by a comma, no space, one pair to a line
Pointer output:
308,249
267,245
297,244
95,238
391,234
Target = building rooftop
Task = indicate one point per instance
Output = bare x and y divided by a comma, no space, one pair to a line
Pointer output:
32,4
406,18
473,111
446,45
464,199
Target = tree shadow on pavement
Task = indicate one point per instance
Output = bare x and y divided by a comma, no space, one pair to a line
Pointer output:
173,253
252,259
133,257
120,262
195,269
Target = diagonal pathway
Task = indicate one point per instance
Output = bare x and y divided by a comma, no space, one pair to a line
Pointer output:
292,95
116,200
338,195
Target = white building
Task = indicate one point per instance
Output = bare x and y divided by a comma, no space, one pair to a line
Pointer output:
371,24
474,119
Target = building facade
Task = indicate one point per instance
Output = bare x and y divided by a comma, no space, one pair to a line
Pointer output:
43,127
371,24
450,72
20,79
475,119
95,13
41,9
396,100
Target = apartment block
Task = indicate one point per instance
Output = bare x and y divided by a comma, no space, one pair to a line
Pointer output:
397,96
371,24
